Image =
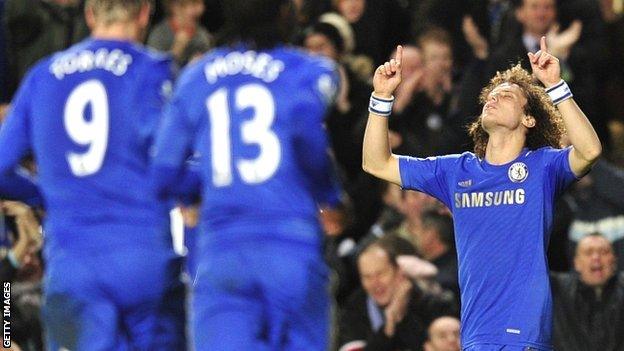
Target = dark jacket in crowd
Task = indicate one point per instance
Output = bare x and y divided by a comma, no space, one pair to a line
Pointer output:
584,321
355,322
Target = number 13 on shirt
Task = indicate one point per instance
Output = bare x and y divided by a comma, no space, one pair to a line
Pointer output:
256,131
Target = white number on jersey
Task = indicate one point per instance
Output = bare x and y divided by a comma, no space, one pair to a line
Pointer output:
93,133
255,131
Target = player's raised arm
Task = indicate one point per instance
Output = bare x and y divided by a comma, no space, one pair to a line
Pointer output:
377,158
585,142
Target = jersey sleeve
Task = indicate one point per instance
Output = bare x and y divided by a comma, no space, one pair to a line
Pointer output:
15,131
155,90
15,143
325,82
311,143
557,164
173,146
428,175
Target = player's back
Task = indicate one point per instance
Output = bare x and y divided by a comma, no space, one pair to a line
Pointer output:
259,116
92,121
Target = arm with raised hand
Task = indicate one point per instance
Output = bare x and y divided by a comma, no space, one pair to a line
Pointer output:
377,158
586,147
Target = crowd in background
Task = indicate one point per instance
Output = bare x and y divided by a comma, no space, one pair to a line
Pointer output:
393,255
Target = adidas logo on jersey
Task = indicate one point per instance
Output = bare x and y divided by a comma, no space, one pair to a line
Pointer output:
465,183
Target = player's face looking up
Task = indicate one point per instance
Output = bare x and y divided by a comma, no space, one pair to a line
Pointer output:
505,108
594,260
379,277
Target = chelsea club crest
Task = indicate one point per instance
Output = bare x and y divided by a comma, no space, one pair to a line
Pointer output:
518,172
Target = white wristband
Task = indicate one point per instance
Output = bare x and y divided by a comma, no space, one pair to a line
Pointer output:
559,92
379,106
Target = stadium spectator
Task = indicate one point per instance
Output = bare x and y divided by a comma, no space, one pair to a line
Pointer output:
501,213
35,29
578,45
494,18
181,33
435,243
390,312
378,25
613,17
26,242
589,303
307,12
425,124
443,334
596,204
412,205
349,109
414,71
264,172
89,115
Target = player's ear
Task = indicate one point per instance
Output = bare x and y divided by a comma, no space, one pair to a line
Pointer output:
144,15
528,121
90,17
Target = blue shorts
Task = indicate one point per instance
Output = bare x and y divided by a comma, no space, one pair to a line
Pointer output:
129,299
262,295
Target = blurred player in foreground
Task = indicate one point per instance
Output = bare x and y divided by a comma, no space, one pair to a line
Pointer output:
88,115
252,110
501,195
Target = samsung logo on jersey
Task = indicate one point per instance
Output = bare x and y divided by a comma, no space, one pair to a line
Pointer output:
487,199
261,66
116,61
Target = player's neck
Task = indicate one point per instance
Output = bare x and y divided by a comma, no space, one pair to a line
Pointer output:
503,148
118,31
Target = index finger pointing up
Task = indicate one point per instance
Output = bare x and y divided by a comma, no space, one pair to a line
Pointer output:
399,54
543,47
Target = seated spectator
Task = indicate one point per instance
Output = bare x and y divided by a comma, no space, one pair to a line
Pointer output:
21,266
443,334
596,204
180,33
435,243
412,204
589,303
390,312
26,239
426,124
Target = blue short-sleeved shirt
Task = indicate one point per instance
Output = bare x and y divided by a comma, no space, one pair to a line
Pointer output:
503,216
89,114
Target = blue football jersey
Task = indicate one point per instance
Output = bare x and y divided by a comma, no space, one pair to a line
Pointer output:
255,120
89,114
503,216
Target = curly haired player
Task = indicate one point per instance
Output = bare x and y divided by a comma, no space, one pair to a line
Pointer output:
501,195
